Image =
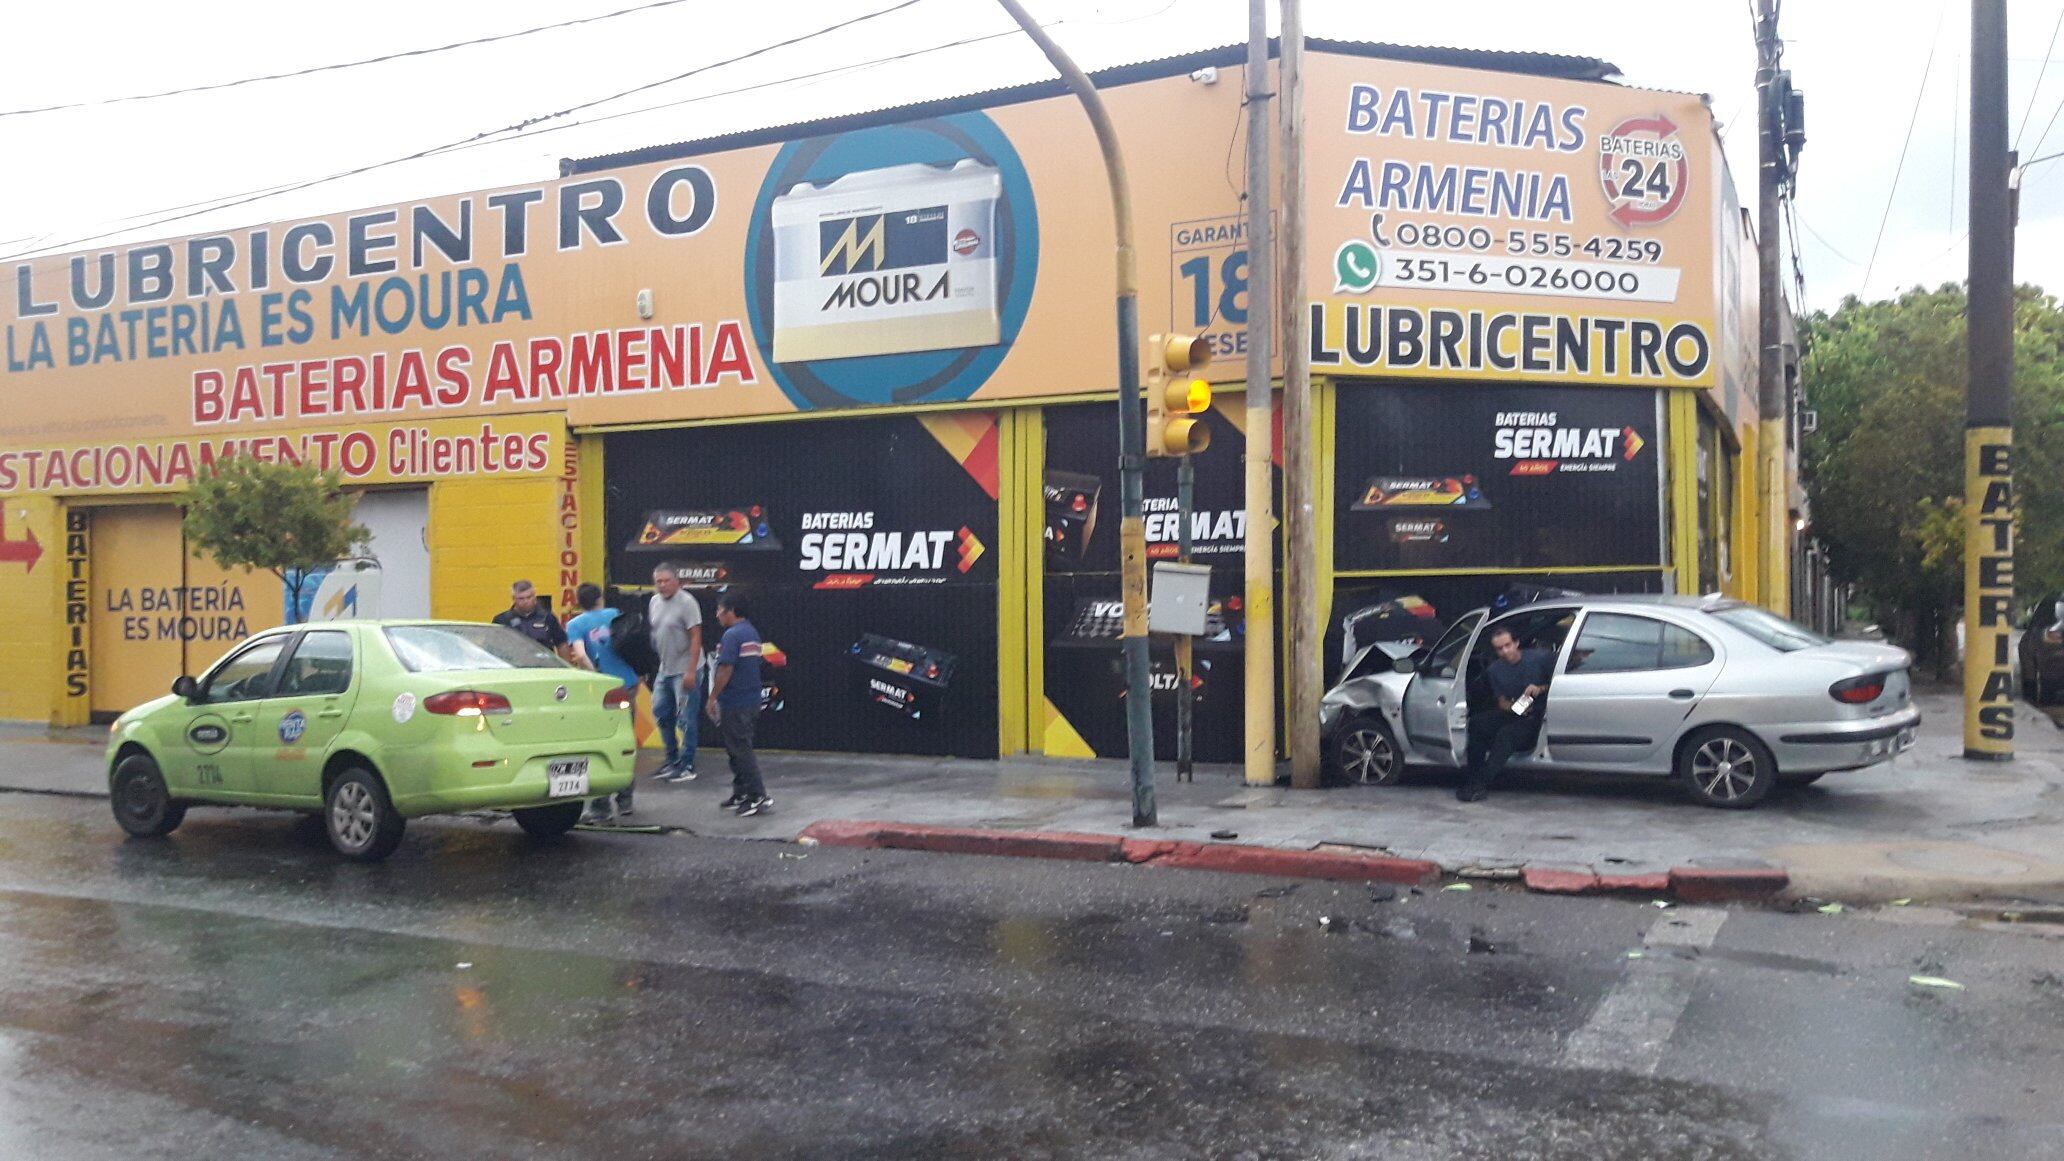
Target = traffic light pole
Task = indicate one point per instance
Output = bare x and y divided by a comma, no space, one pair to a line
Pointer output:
1185,645
1989,404
1132,434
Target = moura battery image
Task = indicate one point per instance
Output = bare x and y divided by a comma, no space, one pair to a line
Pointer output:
909,679
885,261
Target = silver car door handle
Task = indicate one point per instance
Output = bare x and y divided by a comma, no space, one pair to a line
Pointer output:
1440,701
1682,694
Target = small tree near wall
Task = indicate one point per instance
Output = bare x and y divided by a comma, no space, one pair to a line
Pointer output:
284,518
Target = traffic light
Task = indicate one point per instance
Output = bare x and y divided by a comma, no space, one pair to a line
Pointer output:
1176,396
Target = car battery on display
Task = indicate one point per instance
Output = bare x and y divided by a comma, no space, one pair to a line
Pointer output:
730,529
773,667
1071,513
1100,621
1450,492
887,261
909,679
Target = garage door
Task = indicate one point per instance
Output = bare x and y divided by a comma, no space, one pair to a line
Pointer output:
158,611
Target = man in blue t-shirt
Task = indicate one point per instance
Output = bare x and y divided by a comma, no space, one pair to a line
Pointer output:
1516,679
734,704
589,635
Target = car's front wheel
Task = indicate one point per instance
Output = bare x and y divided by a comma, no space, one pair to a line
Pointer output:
361,820
1365,751
142,805
1727,767
549,822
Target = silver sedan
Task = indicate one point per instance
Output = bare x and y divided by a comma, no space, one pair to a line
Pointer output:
1728,698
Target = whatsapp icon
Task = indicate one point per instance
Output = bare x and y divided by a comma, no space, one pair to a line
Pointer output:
1356,267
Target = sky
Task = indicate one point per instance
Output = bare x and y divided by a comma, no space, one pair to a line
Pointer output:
1882,188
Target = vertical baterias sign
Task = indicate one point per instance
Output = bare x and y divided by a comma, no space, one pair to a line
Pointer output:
1989,588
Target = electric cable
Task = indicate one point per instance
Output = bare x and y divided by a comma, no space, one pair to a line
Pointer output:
235,200
1926,70
342,65
2039,76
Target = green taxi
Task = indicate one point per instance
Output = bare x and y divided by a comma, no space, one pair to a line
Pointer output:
372,723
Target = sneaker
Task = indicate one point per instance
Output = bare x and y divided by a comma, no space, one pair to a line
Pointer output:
732,802
600,814
752,806
678,775
666,770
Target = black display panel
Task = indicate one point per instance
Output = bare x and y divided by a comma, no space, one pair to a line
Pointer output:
868,548
1480,476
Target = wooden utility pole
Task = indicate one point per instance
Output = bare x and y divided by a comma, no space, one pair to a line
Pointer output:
1989,402
1302,655
1773,502
1260,613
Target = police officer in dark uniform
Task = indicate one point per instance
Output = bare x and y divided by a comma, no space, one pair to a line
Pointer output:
533,620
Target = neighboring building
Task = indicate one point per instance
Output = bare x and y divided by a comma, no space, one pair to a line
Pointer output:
865,367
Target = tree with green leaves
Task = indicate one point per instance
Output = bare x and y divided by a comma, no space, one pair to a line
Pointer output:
1885,470
282,517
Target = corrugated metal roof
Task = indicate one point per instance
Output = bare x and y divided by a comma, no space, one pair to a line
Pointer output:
1541,64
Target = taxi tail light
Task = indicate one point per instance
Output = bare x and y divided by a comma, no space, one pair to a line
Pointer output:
618,698
466,703
1858,690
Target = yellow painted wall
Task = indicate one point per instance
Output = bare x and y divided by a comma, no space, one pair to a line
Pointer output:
1747,505
1681,409
33,636
485,534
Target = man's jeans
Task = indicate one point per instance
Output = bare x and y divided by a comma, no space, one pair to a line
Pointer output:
674,702
1495,738
736,724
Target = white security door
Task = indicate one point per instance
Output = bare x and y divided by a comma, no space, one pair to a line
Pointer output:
398,521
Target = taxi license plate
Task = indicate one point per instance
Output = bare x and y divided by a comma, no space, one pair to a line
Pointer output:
568,777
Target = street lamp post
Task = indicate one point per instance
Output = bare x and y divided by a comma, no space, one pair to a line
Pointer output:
1132,436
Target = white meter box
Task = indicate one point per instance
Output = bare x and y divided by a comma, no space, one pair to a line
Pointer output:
1181,597
887,261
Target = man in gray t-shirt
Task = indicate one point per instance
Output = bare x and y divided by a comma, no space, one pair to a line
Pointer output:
676,623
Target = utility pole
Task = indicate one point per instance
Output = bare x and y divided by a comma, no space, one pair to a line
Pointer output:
1132,432
1302,658
1773,532
1260,649
1989,402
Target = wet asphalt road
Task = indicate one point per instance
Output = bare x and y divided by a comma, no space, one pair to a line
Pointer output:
235,991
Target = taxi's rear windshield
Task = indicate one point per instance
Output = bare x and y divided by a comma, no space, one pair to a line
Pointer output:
449,648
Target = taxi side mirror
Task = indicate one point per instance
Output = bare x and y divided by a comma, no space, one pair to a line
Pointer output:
185,687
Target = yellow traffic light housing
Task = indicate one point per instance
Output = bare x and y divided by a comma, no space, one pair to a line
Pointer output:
1176,398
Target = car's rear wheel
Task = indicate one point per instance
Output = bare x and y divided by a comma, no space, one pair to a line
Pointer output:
142,805
362,822
1727,767
549,822
1365,751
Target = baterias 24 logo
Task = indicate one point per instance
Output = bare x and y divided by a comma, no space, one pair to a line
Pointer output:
1542,444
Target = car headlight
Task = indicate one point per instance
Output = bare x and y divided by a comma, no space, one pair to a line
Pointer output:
1329,712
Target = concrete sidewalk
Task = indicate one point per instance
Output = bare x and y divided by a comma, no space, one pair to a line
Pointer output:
1928,826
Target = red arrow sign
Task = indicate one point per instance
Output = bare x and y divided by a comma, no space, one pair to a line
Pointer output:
26,552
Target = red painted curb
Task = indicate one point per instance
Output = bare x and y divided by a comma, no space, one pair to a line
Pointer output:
1703,885
1246,860
1655,884
1551,881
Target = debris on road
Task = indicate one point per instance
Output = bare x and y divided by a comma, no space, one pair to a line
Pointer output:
1458,887
1225,834
1935,982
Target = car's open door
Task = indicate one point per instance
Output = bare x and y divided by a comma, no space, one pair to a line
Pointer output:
1436,712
